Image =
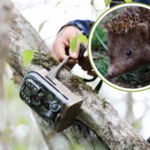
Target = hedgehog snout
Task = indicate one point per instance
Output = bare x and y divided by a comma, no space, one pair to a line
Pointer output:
112,72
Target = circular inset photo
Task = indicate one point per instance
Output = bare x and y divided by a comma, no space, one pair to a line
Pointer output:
119,47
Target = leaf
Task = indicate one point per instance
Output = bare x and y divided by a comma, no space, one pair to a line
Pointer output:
41,26
107,2
82,38
73,43
79,38
27,56
58,3
128,1
99,39
18,147
22,120
11,90
101,33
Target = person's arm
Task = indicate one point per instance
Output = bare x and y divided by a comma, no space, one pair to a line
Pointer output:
82,25
143,1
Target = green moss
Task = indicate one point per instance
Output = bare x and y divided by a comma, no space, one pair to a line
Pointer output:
104,103
79,81
44,60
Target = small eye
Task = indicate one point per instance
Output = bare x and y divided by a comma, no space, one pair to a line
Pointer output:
129,52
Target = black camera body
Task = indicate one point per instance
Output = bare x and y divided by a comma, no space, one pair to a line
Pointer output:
52,100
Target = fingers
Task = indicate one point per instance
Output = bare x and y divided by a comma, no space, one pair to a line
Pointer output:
58,50
62,43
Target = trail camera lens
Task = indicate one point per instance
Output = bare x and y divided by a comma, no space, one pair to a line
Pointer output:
54,107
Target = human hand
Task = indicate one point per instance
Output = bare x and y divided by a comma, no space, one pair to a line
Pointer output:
61,48
61,45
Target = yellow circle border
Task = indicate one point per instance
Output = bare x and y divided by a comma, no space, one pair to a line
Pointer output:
90,54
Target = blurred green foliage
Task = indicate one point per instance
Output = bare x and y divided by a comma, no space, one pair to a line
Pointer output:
136,78
99,49
137,125
128,1
102,65
99,39
42,25
11,90
107,2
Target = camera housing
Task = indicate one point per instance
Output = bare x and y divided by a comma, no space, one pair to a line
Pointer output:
52,100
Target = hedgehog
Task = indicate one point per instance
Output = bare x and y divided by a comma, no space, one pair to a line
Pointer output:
122,24
128,40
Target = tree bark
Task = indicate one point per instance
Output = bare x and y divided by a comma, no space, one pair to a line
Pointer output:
98,126
5,20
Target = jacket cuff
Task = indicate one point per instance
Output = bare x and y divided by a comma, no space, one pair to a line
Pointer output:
83,25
